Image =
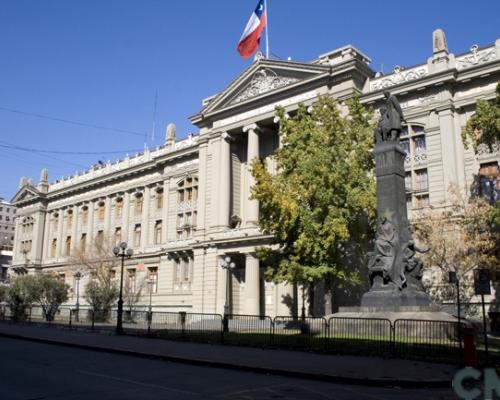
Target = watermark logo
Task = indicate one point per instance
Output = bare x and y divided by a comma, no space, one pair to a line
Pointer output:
468,384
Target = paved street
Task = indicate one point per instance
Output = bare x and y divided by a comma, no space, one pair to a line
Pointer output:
34,371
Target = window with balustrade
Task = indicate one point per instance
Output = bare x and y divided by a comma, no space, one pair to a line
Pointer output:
118,235
183,269
101,211
69,218
83,242
118,207
138,203
158,231
137,235
187,196
68,246
413,142
153,278
85,215
159,198
55,221
53,248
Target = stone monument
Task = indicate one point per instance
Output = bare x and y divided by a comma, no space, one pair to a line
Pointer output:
394,268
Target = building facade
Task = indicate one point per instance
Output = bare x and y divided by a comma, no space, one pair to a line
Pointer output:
185,206
7,224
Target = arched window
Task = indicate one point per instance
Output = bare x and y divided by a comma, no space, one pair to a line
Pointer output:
187,195
101,211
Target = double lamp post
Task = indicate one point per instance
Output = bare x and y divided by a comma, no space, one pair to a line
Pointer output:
123,252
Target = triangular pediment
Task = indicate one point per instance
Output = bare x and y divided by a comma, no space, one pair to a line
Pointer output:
264,77
26,192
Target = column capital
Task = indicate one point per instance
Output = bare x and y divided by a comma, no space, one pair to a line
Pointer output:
252,127
227,137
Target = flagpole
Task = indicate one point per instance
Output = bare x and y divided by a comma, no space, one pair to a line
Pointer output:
267,29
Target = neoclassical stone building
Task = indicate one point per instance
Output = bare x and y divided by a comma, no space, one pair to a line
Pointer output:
184,206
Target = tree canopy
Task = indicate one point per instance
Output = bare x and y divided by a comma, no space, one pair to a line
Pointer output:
484,126
320,204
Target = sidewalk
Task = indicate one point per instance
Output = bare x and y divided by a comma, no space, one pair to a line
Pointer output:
341,369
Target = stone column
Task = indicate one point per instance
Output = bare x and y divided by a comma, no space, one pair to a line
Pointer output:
165,210
252,284
74,233
202,187
145,217
107,218
252,206
125,216
60,224
224,175
90,227
448,139
48,234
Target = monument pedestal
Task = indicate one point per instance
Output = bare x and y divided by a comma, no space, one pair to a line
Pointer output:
422,313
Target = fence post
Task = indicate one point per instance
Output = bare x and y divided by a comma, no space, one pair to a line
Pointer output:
150,318
93,318
29,316
327,334
182,314
70,315
393,337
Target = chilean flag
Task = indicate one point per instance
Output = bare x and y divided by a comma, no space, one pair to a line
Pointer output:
250,39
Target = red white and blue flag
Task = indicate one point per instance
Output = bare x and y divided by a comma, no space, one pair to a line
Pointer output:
250,39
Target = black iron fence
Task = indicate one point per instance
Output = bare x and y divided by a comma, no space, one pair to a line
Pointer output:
403,338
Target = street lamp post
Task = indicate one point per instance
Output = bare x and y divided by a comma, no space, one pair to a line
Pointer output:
77,275
453,278
121,251
228,265
151,282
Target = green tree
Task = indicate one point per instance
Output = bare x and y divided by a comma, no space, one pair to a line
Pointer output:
50,292
21,295
484,126
320,204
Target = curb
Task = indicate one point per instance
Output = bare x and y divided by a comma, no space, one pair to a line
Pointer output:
380,382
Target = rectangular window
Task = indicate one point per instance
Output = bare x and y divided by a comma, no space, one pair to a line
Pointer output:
53,248
420,145
118,235
183,268
119,208
421,180
139,201
99,238
131,280
137,235
408,184
153,279
489,181
405,144
85,215
83,242
422,201
68,246
101,212
158,231
70,219
159,200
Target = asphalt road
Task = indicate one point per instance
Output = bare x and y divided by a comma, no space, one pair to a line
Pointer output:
34,371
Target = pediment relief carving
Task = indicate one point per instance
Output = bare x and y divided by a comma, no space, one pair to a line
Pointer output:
263,80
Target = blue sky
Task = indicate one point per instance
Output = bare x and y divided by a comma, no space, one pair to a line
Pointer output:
101,62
